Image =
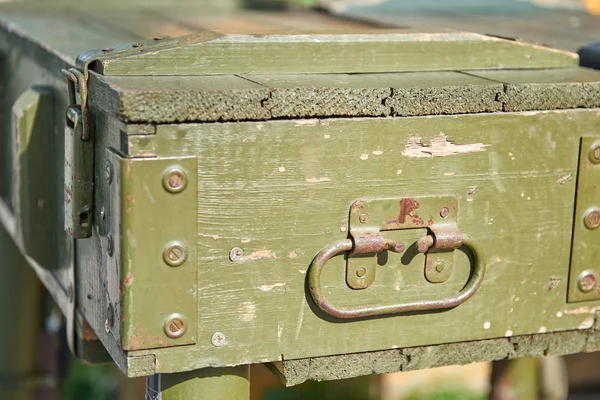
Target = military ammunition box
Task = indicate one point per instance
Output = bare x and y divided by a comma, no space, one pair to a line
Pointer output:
331,204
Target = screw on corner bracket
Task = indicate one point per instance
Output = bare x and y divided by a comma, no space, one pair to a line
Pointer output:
595,154
174,254
592,219
175,326
174,180
444,212
587,281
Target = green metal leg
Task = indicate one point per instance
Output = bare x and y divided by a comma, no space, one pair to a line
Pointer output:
206,384
20,294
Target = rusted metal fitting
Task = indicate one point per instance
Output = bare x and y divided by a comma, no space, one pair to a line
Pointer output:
592,218
174,180
175,326
425,243
444,212
363,218
447,239
369,244
587,281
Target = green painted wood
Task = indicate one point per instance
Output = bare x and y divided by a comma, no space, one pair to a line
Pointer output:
281,191
33,195
205,53
165,99
540,89
212,383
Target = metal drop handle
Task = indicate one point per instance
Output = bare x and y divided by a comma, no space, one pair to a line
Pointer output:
347,245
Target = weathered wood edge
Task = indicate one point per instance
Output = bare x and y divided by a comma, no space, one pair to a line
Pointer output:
294,372
254,98
200,54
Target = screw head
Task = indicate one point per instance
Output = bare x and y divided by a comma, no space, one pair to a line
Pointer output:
363,218
592,219
175,326
110,245
444,212
108,49
174,254
595,154
440,266
587,281
218,339
103,213
174,180
236,254
361,271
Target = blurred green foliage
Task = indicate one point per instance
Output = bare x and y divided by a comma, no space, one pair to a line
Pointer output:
90,382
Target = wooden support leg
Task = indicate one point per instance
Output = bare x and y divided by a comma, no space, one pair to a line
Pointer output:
211,383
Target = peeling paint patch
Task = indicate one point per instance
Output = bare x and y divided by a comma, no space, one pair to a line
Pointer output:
564,179
266,288
293,254
508,333
281,169
559,314
302,271
586,323
364,156
582,310
216,237
542,329
486,325
317,180
439,146
326,136
377,152
247,311
399,172
343,228
261,255
245,240
449,173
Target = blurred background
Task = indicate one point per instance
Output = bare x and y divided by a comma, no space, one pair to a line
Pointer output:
565,24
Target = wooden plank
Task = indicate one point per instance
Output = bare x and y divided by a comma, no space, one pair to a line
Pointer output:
263,183
540,89
402,94
205,54
180,99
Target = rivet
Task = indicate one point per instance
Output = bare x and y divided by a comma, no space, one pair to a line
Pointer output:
108,49
110,246
363,218
440,266
174,254
361,271
592,219
218,339
595,154
587,281
108,172
174,180
175,326
444,212
236,254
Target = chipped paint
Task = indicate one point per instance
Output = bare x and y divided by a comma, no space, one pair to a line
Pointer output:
281,169
559,314
508,333
293,254
486,325
439,146
260,255
317,180
267,288
581,310
399,172
364,156
246,240
586,323
542,329
326,136
247,311
564,179
377,152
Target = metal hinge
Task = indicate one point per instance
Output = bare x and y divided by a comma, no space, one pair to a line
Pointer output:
79,159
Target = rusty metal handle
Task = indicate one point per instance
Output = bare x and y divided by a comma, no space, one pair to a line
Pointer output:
316,291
